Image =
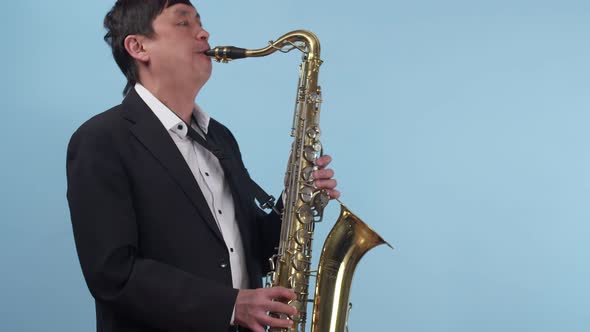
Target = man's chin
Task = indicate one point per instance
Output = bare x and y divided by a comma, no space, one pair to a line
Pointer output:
201,80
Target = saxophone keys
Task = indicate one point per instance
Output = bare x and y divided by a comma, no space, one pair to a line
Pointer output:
312,152
297,283
297,305
304,214
307,173
270,279
300,263
271,262
303,237
313,132
321,200
317,146
306,194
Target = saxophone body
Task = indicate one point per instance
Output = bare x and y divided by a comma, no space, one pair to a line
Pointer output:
349,239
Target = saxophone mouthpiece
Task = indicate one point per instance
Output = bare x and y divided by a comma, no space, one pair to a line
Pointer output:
226,53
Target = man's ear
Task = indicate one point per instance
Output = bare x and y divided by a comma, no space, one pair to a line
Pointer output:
134,46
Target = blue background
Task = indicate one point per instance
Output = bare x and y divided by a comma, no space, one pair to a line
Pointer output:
458,131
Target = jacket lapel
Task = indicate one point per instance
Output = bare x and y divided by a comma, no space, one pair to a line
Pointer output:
150,132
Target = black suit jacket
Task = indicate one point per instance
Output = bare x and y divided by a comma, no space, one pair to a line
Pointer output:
150,250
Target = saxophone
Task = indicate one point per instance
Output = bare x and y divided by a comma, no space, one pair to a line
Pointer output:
349,239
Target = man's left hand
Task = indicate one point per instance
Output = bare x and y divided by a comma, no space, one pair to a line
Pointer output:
324,176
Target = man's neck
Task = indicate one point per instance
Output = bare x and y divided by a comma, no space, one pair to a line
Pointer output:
180,99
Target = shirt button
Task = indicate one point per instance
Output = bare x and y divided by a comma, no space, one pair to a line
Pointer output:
231,249
180,127
223,265
219,211
207,174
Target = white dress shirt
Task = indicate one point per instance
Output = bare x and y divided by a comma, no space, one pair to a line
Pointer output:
210,177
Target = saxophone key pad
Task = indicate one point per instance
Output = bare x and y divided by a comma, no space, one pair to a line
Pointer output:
306,194
321,200
296,283
305,214
307,173
303,237
311,153
299,263
297,305
313,133
317,146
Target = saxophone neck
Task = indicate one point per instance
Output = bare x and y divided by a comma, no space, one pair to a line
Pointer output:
303,40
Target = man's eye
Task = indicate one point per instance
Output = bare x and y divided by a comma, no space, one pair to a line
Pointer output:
183,23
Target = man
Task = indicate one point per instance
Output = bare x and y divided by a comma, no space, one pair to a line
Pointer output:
166,229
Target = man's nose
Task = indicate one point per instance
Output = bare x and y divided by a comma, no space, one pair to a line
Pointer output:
203,35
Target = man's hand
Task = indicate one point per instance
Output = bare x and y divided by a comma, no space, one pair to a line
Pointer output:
252,306
323,176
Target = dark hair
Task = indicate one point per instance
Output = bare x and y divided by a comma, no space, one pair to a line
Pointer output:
130,17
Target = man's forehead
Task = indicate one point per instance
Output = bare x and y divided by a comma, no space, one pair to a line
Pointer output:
181,10
185,12
175,2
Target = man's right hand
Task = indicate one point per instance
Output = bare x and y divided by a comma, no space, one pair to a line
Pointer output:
252,306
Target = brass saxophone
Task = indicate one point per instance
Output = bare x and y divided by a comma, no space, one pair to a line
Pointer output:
349,239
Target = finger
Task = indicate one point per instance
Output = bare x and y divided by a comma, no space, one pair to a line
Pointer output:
323,161
333,193
280,293
257,328
282,308
326,184
275,322
323,174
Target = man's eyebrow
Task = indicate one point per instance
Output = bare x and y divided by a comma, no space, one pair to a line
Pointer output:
184,12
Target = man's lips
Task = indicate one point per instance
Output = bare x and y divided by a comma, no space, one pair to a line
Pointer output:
203,49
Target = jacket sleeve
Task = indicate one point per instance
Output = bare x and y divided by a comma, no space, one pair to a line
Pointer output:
106,234
270,231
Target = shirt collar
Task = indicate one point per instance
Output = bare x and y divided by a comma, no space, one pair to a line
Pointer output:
169,119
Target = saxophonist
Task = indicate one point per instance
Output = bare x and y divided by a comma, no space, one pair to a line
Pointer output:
166,228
